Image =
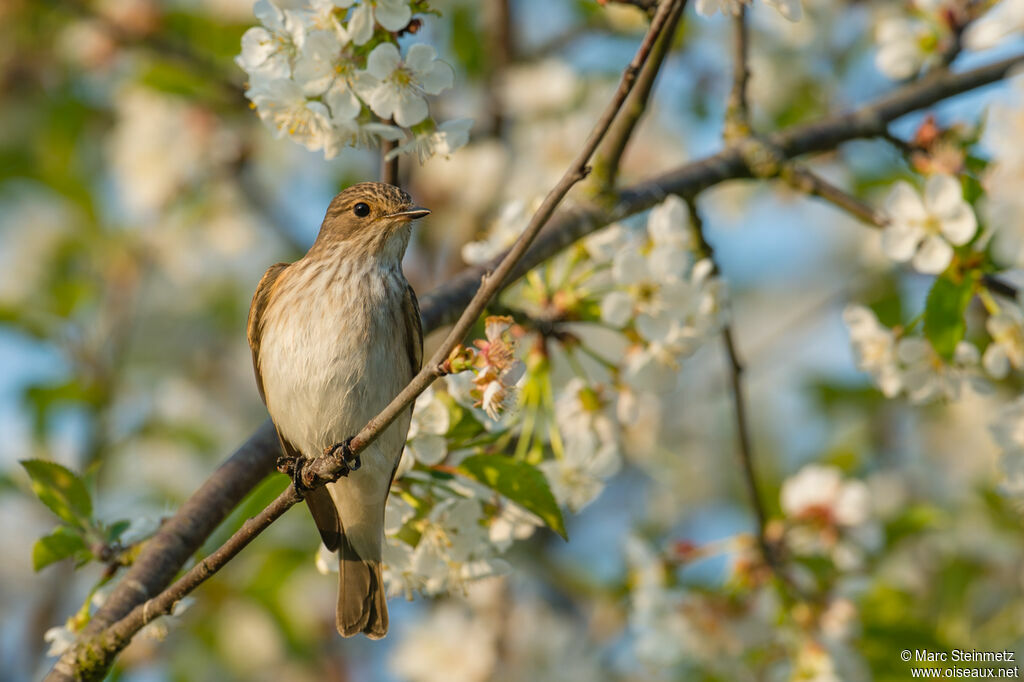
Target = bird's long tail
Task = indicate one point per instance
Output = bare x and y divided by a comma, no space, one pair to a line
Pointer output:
362,604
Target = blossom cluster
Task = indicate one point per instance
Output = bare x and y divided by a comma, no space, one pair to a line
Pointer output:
826,517
331,74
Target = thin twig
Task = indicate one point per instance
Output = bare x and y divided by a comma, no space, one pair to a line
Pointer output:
92,658
178,539
388,167
609,156
746,449
737,112
803,180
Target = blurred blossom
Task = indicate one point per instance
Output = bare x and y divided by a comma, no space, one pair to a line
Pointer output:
791,9
674,301
1005,19
1003,203
819,492
1006,351
511,524
579,476
874,347
926,376
814,664
589,432
161,146
905,44
426,443
925,231
450,645
503,232
1008,432
60,640
829,515
546,86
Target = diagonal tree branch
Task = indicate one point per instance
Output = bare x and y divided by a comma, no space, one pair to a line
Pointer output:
180,537
91,659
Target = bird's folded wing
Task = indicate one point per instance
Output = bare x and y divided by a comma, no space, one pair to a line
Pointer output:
254,329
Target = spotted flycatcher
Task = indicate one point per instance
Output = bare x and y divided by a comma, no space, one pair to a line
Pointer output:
335,336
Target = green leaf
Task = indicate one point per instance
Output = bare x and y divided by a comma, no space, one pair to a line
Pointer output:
520,482
60,489
113,531
944,324
62,543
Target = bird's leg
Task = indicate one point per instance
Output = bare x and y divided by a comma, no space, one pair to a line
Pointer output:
349,459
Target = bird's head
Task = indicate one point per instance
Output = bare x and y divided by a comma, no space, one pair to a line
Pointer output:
371,219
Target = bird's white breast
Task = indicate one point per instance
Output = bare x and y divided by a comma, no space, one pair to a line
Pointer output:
330,355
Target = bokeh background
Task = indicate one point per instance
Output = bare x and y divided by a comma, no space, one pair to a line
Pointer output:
141,200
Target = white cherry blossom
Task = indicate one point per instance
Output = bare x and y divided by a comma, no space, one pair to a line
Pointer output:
905,44
506,228
444,141
395,88
284,108
430,420
926,376
591,450
925,231
1008,432
392,15
874,347
1004,20
267,50
821,492
322,67
1006,351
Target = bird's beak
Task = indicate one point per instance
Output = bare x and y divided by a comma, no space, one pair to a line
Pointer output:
411,213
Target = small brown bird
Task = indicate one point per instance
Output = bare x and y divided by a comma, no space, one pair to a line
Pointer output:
335,336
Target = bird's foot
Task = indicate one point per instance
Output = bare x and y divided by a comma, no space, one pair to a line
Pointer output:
349,460
293,468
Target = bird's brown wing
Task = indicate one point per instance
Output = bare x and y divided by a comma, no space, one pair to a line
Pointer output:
414,329
320,503
258,307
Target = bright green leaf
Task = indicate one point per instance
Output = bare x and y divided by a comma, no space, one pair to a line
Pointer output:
520,482
944,324
60,489
62,543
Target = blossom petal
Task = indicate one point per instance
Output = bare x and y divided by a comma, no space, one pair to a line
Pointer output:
394,15
934,255
959,225
383,61
942,194
360,25
438,78
900,240
410,108
616,309
629,267
343,103
904,204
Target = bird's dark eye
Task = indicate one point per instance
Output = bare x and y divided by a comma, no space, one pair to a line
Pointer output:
362,210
